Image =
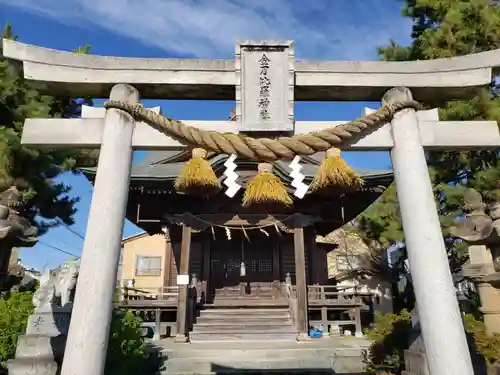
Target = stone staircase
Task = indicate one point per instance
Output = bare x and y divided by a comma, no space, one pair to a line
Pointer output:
243,324
322,356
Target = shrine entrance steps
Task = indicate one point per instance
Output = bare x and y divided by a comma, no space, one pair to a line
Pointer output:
320,356
243,324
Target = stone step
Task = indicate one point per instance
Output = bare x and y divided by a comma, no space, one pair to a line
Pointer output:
246,312
269,372
243,318
198,337
244,322
231,328
242,357
243,298
221,366
251,353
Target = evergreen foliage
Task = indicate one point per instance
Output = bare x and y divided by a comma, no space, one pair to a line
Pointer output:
390,334
126,347
488,346
442,29
47,202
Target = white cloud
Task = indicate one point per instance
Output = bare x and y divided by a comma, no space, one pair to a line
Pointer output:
333,29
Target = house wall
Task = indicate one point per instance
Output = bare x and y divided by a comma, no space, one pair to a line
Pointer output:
146,245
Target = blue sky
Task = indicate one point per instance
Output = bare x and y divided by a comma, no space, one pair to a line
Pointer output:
321,29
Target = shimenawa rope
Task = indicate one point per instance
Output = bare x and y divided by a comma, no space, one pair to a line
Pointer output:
262,149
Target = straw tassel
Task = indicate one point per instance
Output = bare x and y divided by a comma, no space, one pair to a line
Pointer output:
265,187
197,176
334,173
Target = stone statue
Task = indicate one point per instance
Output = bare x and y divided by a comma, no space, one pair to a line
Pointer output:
41,349
59,283
15,230
481,230
13,225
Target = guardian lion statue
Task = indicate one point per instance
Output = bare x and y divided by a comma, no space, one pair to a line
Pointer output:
57,286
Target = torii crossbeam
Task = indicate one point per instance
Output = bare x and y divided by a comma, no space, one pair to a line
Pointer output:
116,134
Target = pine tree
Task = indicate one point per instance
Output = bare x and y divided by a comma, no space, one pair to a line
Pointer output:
46,203
441,29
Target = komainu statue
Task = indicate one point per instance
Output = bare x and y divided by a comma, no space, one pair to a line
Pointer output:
57,286
40,350
15,230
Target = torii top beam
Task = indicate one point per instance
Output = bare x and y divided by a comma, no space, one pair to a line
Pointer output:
67,73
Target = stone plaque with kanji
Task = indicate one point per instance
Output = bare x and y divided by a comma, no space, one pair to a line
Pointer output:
264,90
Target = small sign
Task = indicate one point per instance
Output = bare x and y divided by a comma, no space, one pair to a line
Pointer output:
182,279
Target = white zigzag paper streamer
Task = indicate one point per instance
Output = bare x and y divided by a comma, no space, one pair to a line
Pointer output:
231,177
300,187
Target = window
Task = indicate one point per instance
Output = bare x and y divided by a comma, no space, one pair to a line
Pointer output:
347,263
150,266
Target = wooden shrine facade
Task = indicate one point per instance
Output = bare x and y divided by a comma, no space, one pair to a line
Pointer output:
241,257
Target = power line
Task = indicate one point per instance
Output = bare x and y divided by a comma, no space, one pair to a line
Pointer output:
71,230
69,243
58,249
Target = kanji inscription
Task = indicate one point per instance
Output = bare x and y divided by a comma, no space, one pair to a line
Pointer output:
265,85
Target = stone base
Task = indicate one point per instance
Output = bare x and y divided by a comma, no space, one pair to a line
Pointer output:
32,366
50,321
40,346
41,350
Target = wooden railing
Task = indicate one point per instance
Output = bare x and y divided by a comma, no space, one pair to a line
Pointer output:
168,294
273,289
339,305
340,293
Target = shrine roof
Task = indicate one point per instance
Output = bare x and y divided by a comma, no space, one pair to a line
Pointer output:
166,165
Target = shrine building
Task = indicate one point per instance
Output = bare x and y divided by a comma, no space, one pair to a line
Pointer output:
240,259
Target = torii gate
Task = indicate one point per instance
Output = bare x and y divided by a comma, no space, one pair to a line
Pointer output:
117,135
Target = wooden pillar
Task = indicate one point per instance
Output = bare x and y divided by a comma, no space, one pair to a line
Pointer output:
206,266
276,262
167,265
183,289
301,284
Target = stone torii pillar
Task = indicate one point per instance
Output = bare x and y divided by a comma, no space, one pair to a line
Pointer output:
442,327
87,343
